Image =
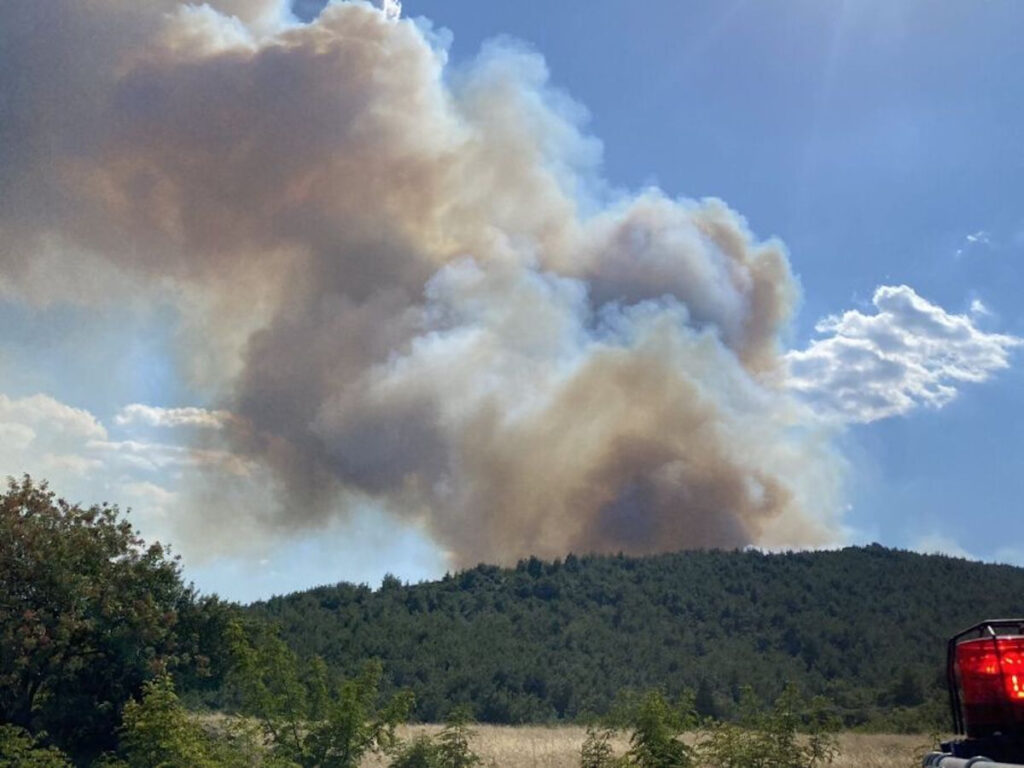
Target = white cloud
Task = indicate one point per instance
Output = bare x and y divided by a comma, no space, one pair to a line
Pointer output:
910,353
155,416
973,240
56,417
16,436
392,9
71,449
978,307
156,457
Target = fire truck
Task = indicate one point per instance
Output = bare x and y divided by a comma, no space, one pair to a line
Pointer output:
985,675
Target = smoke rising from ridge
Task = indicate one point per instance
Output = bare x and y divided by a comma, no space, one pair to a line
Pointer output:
409,283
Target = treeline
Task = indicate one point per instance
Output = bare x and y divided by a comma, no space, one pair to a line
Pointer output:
865,627
105,652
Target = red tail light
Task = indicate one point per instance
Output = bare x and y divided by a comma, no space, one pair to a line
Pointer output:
990,675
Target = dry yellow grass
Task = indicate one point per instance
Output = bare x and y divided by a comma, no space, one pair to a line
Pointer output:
559,747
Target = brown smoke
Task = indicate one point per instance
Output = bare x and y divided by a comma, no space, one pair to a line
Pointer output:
419,291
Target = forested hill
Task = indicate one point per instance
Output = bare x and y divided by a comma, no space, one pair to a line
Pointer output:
866,627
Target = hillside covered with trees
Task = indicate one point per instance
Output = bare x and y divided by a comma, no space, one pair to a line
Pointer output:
105,649
864,627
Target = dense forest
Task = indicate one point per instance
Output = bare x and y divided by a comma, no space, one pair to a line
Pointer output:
100,636
543,641
106,652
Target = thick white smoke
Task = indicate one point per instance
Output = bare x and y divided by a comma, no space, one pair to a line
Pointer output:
408,281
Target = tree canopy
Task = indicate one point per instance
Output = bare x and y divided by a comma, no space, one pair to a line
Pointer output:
542,641
88,613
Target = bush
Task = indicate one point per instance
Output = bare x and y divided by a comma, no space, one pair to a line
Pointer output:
421,752
771,739
453,749
597,749
789,735
310,719
19,749
158,733
656,739
449,749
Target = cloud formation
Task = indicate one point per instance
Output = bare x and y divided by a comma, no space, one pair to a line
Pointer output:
909,354
410,287
156,416
166,482
980,238
41,413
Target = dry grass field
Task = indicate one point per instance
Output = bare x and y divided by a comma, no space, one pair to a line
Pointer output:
559,747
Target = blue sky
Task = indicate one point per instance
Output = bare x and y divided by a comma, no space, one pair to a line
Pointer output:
879,141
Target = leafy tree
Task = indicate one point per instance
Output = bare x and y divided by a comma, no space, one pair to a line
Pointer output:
657,734
655,741
158,733
19,749
449,749
310,719
421,752
88,612
597,751
453,750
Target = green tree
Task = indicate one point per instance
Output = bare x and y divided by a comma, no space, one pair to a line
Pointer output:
773,739
421,752
907,691
844,624
309,718
597,751
704,700
453,750
19,749
158,733
449,749
88,612
657,733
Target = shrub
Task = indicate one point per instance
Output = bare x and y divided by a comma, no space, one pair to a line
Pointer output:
19,749
771,739
597,749
310,719
157,732
421,752
657,728
453,750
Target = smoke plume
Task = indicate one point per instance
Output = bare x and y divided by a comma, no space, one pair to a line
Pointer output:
407,282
